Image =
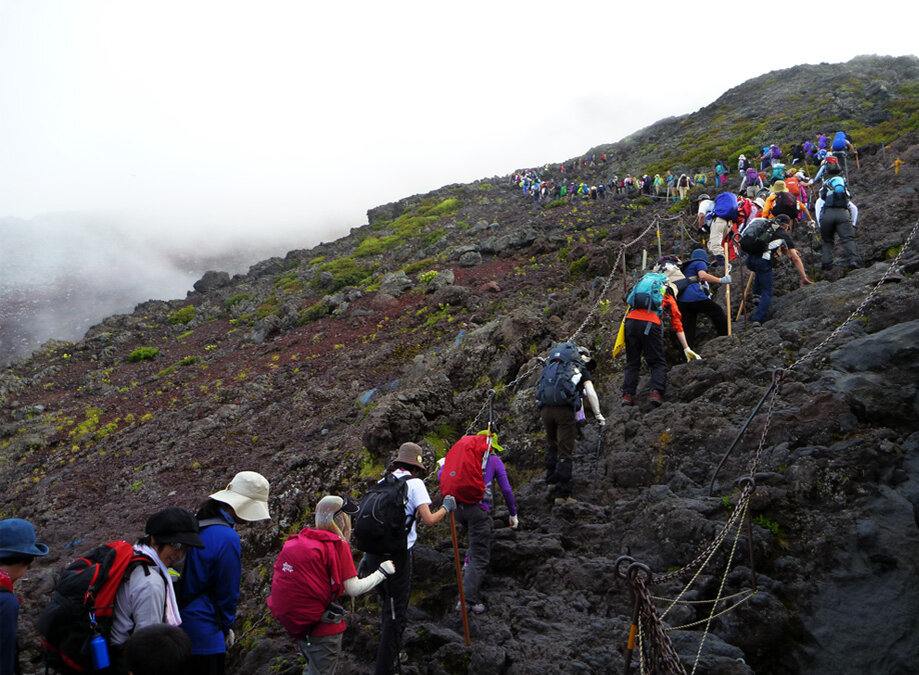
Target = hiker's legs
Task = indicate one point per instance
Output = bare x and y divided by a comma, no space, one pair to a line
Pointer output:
653,347
847,238
321,654
828,222
633,335
478,528
763,270
716,236
713,311
394,594
690,314
551,427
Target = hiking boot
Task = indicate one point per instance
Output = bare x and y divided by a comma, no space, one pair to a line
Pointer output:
628,399
656,398
476,608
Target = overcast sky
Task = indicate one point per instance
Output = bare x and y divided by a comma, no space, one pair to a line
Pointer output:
209,118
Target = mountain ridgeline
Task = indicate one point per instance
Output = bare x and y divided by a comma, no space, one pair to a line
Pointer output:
312,368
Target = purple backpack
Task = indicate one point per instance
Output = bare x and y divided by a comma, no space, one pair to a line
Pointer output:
752,176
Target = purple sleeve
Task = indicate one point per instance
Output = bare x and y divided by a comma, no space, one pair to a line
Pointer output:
495,470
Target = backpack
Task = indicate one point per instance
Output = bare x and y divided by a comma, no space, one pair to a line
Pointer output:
560,376
725,206
306,580
778,172
752,176
786,203
776,152
87,585
794,185
648,293
380,525
755,238
834,193
463,469
839,142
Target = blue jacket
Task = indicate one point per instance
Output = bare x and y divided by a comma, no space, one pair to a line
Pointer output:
210,588
9,615
694,292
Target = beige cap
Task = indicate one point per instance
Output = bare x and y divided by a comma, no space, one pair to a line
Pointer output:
410,453
247,493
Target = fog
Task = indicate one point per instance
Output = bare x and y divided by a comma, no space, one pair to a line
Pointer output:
143,142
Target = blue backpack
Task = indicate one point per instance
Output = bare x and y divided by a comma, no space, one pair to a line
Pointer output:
839,141
725,206
834,193
648,293
778,172
558,384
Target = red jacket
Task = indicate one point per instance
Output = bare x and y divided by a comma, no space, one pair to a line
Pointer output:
669,305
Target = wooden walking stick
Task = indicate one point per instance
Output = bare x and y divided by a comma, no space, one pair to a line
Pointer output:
743,298
727,290
459,580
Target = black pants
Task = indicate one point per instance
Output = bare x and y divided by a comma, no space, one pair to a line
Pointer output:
478,525
210,664
394,595
643,338
561,436
691,312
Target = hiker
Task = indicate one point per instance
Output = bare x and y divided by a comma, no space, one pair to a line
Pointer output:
841,148
683,185
809,149
721,174
742,165
18,549
159,649
781,201
699,178
765,160
659,183
146,596
564,381
751,182
828,161
836,218
475,517
695,299
670,179
797,154
821,141
762,239
721,216
897,163
209,588
402,477
706,204
313,570
644,336
778,172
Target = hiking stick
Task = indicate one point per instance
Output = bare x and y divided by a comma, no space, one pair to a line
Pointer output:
459,580
743,299
857,163
727,289
658,241
644,259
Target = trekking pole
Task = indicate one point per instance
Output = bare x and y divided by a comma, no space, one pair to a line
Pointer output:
659,241
727,289
459,580
743,298
644,259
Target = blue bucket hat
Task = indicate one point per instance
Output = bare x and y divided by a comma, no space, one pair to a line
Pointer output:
17,537
699,254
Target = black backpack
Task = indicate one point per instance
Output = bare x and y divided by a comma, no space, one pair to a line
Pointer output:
83,602
380,525
557,384
756,236
785,203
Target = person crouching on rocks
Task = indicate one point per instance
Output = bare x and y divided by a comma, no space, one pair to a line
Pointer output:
644,335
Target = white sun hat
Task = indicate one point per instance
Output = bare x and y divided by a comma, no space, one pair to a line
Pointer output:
247,493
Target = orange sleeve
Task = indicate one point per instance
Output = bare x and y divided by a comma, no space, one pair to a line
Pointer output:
676,319
767,207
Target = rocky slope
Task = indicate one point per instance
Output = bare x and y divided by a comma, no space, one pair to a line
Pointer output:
312,368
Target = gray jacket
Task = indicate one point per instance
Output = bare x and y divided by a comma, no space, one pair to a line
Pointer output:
140,601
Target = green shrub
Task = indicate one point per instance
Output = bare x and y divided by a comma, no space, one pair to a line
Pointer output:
418,265
313,313
267,308
443,208
345,271
375,245
427,277
188,361
555,203
578,268
143,354
182,316
235,299
289,282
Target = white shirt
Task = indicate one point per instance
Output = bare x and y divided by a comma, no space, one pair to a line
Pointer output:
853,209
417,494
705,206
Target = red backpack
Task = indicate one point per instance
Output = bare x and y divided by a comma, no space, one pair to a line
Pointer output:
462,475
307,578
85,591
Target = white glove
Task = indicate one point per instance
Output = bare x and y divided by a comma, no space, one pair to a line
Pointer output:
513,522
230,638
387,568
691,355
726,279
601,419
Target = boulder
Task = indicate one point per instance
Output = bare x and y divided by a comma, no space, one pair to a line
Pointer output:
211,280
395,283
470,259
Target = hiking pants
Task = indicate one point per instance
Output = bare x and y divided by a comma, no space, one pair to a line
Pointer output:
561,434
683,191
394,595
719,228
837,221
321,654
643,338
478,524
762,285
691,311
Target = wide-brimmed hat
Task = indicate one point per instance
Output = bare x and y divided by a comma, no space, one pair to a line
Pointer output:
779,186
411,454
174,526
17,537
247,493
760,202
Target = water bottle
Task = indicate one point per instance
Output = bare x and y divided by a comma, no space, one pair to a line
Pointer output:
99,651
